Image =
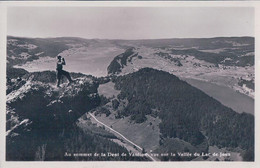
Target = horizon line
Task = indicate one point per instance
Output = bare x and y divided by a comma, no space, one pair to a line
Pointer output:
163,38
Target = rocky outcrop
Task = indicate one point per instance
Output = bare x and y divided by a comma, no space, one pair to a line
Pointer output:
38,112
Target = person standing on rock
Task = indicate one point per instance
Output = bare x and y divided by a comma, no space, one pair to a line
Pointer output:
60,71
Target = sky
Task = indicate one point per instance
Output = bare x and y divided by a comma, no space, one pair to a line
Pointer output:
130,22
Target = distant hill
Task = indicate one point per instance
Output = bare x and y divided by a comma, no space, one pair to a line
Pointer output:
201,43
227,61
20,50
233,51
121,60
228,58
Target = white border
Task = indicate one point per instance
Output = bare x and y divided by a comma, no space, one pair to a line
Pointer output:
119,164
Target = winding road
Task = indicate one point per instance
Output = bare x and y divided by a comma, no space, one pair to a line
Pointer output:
140,148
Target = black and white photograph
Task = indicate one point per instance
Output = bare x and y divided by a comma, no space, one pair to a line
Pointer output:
117,83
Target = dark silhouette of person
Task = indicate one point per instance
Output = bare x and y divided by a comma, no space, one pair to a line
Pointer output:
60,71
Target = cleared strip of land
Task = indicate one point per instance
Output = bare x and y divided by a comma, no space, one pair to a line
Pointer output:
140,148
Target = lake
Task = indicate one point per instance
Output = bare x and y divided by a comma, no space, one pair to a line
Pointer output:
92,60
225,95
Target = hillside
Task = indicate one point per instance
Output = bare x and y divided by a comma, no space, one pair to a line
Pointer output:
200,43
41,120
232,66
22,50
121,60
186,112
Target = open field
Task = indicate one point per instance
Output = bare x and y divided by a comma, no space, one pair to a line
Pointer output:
145,134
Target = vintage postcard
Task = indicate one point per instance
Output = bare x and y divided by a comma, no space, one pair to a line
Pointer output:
132,84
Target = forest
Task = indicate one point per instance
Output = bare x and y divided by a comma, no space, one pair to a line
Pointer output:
186,112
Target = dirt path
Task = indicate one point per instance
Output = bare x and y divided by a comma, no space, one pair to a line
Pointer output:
111,129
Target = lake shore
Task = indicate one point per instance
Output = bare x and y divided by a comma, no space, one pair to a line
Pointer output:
225,95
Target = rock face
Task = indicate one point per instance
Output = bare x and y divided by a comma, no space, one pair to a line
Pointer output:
38,111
